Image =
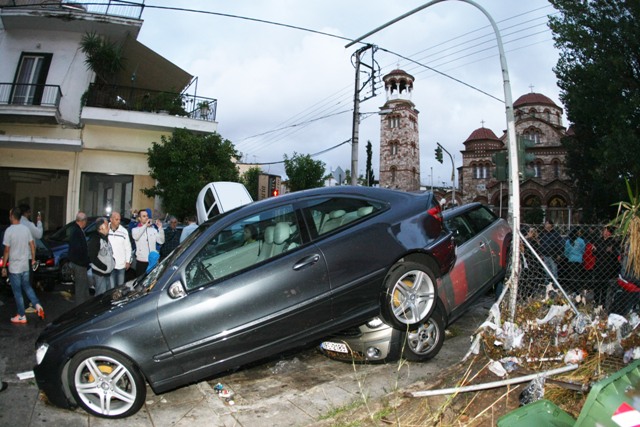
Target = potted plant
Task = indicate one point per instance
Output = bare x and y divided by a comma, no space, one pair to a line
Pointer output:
204,108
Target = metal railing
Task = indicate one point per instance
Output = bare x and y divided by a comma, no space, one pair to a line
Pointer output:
145,100
30,94
121,8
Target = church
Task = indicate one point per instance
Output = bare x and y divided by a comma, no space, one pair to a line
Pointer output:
548,193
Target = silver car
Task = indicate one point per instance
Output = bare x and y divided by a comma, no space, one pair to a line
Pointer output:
482,246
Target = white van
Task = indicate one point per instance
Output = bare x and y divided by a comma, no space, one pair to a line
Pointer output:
218,197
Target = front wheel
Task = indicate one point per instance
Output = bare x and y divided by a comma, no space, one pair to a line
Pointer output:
106,384
409,295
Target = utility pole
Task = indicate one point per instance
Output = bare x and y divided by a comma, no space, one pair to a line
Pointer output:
355,128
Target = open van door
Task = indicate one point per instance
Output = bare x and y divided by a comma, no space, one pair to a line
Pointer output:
218,197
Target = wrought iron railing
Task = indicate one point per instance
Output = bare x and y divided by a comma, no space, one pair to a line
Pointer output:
137,99
30,94
125,9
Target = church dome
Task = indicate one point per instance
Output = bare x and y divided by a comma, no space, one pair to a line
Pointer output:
482,134
534,98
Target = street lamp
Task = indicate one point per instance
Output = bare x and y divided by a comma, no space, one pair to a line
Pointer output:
514,186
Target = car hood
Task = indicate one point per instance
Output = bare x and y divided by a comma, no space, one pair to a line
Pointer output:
101,308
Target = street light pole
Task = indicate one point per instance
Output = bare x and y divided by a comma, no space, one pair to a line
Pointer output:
514,184
355,128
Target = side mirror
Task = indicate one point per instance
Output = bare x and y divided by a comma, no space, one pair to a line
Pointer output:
176,290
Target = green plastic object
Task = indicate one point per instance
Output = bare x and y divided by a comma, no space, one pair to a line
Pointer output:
540,413
608,394
603,400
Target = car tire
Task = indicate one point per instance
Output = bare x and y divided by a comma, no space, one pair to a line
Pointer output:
409,295
106,384
66,272
424,342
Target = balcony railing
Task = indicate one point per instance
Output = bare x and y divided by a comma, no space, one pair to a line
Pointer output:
136,99
124,9
30,94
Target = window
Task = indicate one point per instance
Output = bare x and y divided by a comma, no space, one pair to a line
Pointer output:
393,174
537,169
394,122
31,77
556,169
244,244
394,148
100,194
327,215
468,224
480,218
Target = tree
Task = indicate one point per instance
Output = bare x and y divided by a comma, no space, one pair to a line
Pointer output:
250,179
303,172
183,163
599,77
103,57
370,177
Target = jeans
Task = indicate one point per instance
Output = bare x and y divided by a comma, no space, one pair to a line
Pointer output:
103,283
117,278
19,283
551,263
81,281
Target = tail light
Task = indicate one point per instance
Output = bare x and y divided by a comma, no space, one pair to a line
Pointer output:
2,263
436,212
50,262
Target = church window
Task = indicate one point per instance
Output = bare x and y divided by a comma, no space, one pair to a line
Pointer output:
394,122
393,174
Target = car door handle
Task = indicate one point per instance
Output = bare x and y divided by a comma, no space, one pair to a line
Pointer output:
306,261
482,245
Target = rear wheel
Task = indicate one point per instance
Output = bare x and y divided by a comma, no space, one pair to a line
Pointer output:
409,295
106,384
424,342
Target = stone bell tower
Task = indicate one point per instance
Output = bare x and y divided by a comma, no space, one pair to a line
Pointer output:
399,144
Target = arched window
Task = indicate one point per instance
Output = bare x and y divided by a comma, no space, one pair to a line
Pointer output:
394,122
547,115
556,169
475,171
393,174
394,148
532,112
537,169
533,134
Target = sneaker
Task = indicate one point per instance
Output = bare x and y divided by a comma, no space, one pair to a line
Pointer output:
19,319
40,311
30,309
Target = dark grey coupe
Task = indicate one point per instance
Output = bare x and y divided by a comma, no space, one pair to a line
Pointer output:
252,282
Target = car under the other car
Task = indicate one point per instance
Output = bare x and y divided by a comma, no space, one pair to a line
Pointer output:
483,245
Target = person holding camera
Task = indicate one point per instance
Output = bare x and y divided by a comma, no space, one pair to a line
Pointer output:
146,236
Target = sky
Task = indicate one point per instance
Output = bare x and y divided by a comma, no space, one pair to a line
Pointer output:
282,90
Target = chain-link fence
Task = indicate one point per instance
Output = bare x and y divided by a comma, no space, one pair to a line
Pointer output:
584,261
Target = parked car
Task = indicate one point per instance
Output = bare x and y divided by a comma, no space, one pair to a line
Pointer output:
482,246
59,244
323,260
46,269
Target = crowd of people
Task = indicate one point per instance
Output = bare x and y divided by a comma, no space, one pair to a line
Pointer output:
108,255
587,260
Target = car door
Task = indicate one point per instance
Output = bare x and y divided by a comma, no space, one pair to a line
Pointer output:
355,249
244,300
474,265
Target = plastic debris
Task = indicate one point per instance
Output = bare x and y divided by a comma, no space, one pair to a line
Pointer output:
497,368
615,321
555,314
580,323
631,354
511,336
574,356
533,392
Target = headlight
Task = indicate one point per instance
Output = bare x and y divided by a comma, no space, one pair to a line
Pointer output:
374,323
40,352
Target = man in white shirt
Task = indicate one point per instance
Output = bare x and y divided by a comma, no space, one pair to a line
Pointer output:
146,236
121,245
189,228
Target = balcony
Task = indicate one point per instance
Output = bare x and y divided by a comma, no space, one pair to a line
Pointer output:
144,108
29,103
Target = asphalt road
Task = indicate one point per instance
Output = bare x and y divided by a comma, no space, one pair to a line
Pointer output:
295,389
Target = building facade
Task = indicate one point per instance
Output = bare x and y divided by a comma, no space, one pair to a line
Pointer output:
69,141
399,143
549,193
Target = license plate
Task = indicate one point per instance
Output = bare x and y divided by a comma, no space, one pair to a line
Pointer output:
334,346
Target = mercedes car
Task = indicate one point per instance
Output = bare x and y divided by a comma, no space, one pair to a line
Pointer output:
252,282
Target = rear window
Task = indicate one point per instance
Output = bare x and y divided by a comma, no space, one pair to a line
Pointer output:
331,214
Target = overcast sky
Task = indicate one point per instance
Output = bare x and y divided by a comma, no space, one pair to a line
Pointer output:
282,90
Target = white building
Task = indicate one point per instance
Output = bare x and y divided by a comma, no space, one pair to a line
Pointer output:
61,157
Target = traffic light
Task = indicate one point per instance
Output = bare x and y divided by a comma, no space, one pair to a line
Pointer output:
525,171
501,161
439,154
273,189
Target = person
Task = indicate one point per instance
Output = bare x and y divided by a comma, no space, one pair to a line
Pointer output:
37,231
19,250
551,244
79,258
608,266
249,233
101,256
574,248
146,237
121,246
189,228
171,237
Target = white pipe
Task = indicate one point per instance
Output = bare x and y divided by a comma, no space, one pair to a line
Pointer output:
485,386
